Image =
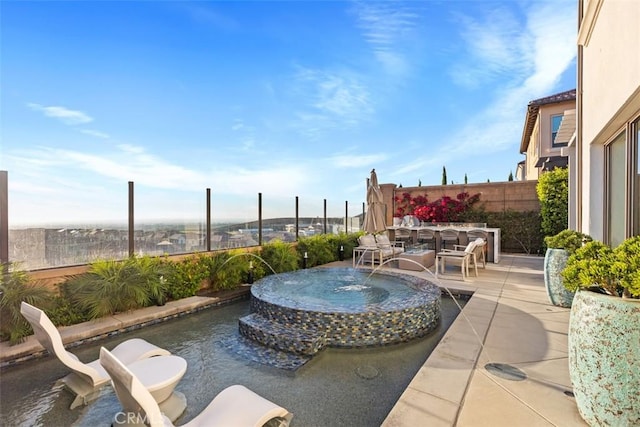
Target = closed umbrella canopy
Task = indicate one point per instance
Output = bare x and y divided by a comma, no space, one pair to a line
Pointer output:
374,217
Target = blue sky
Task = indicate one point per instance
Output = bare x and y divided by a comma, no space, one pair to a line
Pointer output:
292,98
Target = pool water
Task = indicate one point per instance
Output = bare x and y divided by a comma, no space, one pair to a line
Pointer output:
334,288
339,387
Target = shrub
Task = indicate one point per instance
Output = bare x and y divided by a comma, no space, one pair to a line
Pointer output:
596,266
112,286
344,240
226,270
15,287
63,313
569,240
519,231
157,272
553,193
319,250
629,254
187,277
279,257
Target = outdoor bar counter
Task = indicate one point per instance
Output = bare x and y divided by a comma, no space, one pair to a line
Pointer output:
493,237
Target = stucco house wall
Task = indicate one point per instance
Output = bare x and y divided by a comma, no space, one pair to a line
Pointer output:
608,99
531,171
537,141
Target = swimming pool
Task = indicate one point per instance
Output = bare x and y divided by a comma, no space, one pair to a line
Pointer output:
339,387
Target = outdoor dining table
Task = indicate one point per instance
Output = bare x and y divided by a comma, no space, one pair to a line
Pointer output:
493,237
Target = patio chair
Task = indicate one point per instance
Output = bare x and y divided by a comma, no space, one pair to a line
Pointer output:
449,236
427,238
403,235
476,233
234,406
367,250
86,379
388,250
465,258
479,251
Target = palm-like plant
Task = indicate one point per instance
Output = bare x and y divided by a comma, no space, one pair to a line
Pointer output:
15,287
109,287
225,269
279,256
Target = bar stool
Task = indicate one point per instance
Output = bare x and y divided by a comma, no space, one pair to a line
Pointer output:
427,237
449,236
403,235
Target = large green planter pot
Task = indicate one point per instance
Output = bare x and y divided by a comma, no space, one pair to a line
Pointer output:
555,260
604,358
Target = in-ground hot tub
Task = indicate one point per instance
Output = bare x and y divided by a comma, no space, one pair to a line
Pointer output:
302,311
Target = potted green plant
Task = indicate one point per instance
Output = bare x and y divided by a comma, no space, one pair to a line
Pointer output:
559,248
604,332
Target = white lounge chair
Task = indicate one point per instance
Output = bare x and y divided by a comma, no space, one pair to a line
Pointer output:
235,406
464,257
374,249
86,379
389,250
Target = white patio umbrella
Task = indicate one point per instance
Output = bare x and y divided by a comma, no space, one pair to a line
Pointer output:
374,217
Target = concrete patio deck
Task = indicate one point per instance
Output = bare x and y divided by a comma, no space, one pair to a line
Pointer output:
509,321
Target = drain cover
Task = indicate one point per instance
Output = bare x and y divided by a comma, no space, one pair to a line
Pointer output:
367,372
505,371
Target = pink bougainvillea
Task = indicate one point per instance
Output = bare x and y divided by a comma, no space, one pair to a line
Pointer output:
445,209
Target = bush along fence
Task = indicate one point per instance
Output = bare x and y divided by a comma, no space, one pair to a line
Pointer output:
111,286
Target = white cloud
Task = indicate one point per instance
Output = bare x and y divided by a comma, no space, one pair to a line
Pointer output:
95,133
335,98
133,163
356,161
66,116
548,41
386,26
495,47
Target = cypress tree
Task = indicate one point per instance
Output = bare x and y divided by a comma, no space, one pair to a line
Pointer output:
444,176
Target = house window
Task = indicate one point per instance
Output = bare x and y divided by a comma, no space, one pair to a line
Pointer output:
556,120
616,189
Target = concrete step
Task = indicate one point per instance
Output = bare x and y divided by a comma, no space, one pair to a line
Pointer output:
273,334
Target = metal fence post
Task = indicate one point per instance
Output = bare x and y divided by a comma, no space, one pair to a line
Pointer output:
346,215
132,248
260,219
4,218
208,245
297,218
325,216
